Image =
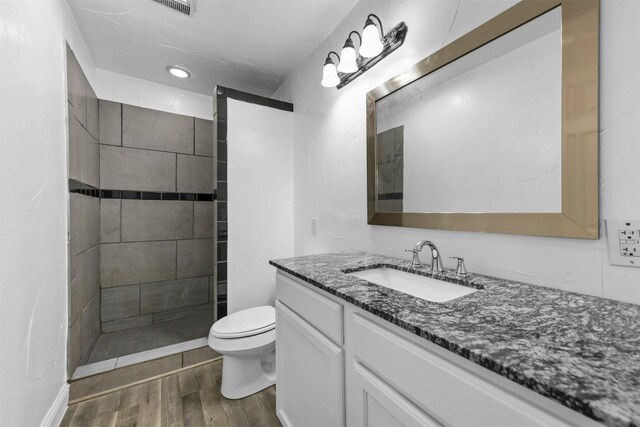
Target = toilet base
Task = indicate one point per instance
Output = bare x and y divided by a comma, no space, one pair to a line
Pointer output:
242,376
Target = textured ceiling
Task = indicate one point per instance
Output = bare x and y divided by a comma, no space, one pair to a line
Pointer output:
250,45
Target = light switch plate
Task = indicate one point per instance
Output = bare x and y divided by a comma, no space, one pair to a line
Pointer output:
623,238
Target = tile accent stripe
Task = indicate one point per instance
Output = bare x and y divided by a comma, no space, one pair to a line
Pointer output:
87,190
390,196
220,96
251,98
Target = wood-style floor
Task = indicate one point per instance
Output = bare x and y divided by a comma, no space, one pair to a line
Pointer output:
188,398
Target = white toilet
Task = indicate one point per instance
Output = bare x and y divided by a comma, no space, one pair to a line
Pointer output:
247,341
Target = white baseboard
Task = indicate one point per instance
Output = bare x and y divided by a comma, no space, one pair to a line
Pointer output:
57,409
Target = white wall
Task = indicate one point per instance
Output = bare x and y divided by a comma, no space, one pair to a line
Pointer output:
34,207
330,161
260,206
144,93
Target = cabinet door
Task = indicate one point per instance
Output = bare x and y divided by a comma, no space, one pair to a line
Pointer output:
376,404
310,373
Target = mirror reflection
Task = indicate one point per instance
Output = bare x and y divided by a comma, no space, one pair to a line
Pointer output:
481,134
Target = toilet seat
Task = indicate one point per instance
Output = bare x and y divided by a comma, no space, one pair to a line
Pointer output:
245,323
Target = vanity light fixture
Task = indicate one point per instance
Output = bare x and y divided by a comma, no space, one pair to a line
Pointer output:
179,72
374,46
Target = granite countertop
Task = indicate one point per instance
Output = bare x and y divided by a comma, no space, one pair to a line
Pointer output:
580,350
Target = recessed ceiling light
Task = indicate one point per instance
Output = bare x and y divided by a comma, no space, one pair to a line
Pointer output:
181,73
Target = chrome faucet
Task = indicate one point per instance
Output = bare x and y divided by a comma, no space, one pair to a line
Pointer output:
436,260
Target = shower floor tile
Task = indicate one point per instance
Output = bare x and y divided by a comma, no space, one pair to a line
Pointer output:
135,340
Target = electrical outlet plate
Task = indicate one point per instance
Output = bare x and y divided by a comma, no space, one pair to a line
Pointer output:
623,238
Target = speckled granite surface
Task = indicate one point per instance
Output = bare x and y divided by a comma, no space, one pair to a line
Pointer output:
579,350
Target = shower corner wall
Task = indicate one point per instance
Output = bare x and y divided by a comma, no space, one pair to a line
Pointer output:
84,216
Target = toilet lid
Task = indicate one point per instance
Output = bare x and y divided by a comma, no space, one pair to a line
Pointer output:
251,321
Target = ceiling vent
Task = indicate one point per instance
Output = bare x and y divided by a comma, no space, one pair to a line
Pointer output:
188,7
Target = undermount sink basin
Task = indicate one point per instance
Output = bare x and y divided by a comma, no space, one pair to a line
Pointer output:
413,284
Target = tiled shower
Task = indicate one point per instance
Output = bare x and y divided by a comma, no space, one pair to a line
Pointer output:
141,248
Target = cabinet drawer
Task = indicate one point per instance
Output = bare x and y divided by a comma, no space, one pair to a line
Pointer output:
321,312
442,389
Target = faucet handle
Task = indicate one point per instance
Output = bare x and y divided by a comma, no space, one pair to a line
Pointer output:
460,269
415,261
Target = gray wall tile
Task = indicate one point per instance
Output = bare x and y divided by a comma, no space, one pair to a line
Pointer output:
195,174
131,169
162,296
212,289
110,122
399,139
87,163
195,258
76,88
93,125
132,263
398,174
83,334
386,177
180,313
72,260
385,206
84,222
144,220
84,155
386,145
109,220
120,302
127,323
86,283
72,146
204,137
203,220
156,130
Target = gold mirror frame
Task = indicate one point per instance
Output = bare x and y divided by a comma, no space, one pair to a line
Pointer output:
580,211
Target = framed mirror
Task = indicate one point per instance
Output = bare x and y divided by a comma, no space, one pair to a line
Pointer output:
495,132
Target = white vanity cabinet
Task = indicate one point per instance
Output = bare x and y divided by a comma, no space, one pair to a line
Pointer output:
309,357
337,363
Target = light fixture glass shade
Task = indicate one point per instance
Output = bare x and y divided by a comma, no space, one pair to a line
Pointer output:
371,44
348,60
330,75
